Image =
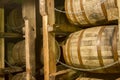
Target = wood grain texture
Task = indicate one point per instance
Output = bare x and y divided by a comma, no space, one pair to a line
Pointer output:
29,13
98,47
46,48
21,76
51,22
118,3
89,12
2,45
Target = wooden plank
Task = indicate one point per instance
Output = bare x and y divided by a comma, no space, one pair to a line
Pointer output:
10,35
9,70
45,48
118,3
51,22
42,7
51,13
29,13
2,45
60,72
27,50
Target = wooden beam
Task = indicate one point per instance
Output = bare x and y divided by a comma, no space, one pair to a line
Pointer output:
9,70
42,5
10,35
29,14
2,45
48,21
46,48
51,22
118,3
51,13
60,72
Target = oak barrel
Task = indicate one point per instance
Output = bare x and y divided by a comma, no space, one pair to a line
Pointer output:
93,48
15,21
21,76
91,12
18,53
9,47
62,24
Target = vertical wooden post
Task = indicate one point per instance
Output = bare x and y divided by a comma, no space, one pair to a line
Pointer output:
27,49
51,22
2,45
42,5
28,10
118,3
46,48
48,21
51,12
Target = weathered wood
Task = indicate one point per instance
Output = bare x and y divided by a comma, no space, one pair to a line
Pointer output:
94,48
55,52
51,13
46,48
49,59
42,7
60,72
15,21
29,68
21,76
10,35
2,45
9,70
30,35
51,22
118,4
88,13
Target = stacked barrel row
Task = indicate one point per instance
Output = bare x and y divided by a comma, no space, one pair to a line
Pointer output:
94,49
16,55
16,50
91,12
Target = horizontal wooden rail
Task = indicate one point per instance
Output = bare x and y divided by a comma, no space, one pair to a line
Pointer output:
10,35
60,72
9,70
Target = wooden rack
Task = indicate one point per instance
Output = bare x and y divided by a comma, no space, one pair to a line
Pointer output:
47,12
29,15
49,20
2,45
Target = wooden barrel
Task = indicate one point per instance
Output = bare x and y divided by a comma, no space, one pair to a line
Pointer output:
91,12
9,47
18,53
22,76
93,48
62,24
15,21
85,78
